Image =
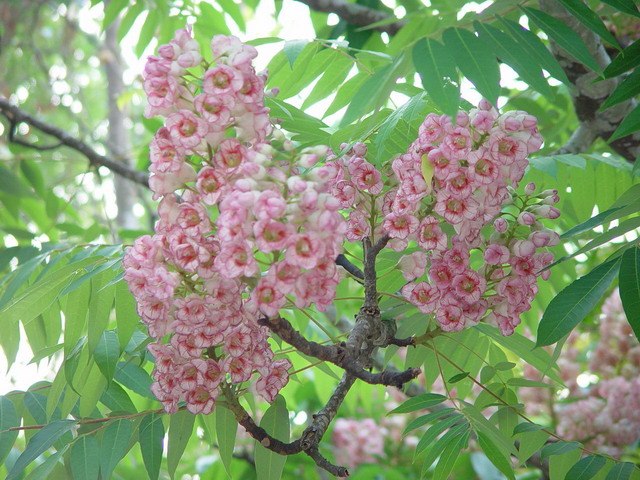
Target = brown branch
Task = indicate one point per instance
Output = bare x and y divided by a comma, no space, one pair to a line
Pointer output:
16,115
589,94
343,262
355,14
336,354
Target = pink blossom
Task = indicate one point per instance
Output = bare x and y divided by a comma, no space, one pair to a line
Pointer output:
413,266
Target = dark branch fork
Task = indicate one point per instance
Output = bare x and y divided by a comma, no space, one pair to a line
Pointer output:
355,356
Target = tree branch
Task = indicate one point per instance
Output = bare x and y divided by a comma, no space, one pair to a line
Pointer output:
16,115
589,94
355,14
336,354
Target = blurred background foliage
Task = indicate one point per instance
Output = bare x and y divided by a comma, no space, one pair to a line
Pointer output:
64,220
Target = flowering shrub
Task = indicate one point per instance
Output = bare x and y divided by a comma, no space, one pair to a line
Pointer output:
250,225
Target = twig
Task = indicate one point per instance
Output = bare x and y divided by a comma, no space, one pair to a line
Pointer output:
16,115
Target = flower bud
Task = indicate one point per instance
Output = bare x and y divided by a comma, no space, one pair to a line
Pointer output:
530,188
526,218
501,225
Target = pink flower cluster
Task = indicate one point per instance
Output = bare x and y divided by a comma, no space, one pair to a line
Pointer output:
603,411
617,352
608,418
199,283
460,177
357,441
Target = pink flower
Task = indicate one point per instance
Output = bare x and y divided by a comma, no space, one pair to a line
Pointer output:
422,295
200,400
430,236
221,80
496,254
230,155
358,226
186,129
400,225
209,184
413,266
275,379
450,318
271,235
236,259
269,297
304,250
468,286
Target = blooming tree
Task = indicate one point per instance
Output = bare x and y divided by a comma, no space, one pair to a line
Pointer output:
250,226
365,292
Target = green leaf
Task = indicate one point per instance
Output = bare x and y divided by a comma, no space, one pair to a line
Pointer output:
269,465
400,128
293,48
421,402
127,317
147,31
629,88
558,448
151,436
487,373
575,302
626,60
75,313
629,286
449,456
107,353
476,60
8,419
630,124
39,296
458,377
85,458
456,434
481,425
527,427
626,6
129,19
226,429
515,55
525,382
537,51
564,36
374,92
232,9
437,428
437,69
333,77
116,441
39,444
428,418
525,349
590,224
590,19
611,234
180,431
117,399
112,10
13,185
621,471
44,470
497,457
586,468
134,378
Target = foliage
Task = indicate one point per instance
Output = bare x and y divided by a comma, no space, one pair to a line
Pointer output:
63,300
